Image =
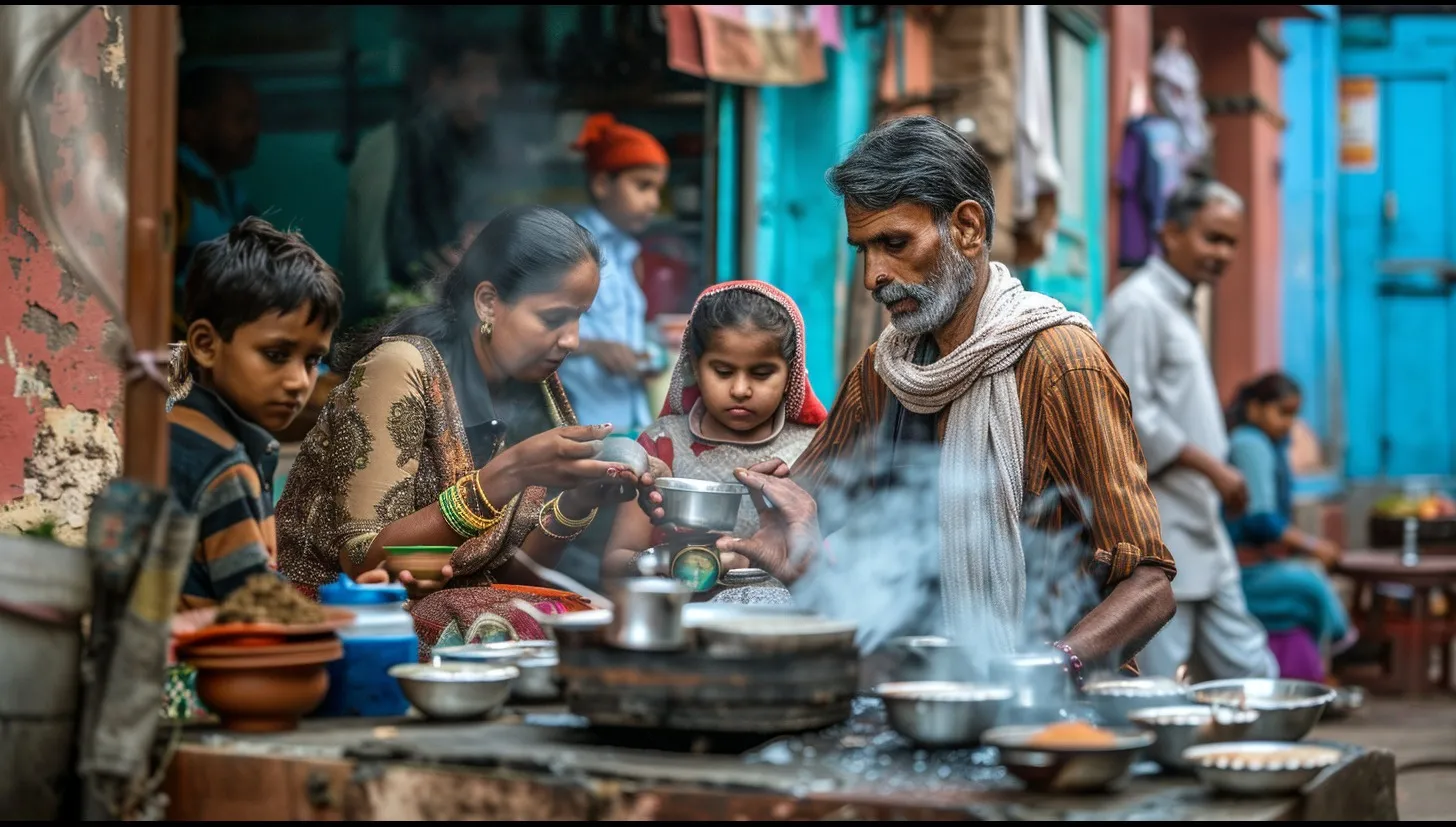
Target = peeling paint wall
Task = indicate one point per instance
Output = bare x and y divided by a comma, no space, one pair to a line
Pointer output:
60,389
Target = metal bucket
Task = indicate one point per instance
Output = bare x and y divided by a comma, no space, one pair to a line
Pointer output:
46,591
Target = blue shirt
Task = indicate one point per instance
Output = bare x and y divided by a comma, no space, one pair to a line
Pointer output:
1265,466
619,314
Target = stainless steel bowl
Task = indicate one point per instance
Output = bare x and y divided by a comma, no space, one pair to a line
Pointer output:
1181,727
455,691
1067,769
943,714
699,505
1254,768
1115,699
1288,709
538,681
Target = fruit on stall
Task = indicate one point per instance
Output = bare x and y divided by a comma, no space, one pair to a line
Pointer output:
1435,506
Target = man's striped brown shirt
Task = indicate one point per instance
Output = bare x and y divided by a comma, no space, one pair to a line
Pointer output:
1077,419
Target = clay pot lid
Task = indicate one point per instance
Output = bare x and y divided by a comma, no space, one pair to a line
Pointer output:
230,649
267,634
249,660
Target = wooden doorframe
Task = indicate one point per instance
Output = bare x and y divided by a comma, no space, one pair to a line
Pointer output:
150,233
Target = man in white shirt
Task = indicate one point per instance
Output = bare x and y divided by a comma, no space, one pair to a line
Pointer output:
1149,329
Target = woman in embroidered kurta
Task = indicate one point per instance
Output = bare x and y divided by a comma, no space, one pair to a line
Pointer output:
452,429
739,396
1283,568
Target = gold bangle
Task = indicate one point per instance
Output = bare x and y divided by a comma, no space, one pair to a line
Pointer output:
567,522
565,538
480,492
481,523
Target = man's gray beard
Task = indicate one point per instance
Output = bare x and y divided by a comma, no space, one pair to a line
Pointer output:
938,298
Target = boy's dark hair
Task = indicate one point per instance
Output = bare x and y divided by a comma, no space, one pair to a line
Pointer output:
257,269
740,309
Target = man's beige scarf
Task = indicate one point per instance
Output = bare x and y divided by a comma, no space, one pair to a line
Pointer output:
982,570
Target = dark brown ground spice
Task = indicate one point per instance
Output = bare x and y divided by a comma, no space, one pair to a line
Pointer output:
266,598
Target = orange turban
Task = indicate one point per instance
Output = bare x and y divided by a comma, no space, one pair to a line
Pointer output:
613,147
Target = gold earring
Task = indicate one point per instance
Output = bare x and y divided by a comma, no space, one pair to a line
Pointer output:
487,327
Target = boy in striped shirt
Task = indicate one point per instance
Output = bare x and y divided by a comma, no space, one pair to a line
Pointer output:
260,309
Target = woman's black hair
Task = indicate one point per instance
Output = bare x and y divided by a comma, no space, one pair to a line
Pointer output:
1271,387
740,309
522,251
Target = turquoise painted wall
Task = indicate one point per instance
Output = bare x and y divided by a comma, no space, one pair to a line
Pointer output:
1397,220
799,245
1073,271
1308,218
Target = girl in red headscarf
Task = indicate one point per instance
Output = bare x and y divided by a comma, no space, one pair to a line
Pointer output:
740,395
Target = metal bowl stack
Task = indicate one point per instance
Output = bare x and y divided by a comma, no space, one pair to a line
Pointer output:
536,660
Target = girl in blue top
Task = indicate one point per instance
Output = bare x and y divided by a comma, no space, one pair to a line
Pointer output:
1284,569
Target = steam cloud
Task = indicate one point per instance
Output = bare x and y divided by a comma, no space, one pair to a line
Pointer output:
881,567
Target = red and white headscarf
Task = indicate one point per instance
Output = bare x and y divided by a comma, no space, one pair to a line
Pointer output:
800,404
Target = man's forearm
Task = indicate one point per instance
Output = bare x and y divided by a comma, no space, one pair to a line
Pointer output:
1199,460
1118,628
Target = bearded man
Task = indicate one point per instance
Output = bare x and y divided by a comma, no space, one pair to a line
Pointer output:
1010,391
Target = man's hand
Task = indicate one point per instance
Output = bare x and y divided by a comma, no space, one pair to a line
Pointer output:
788,536
1231,487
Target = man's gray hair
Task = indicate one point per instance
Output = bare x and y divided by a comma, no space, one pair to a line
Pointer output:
916,160
1190,199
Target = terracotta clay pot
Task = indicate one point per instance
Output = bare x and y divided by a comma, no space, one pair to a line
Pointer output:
266,692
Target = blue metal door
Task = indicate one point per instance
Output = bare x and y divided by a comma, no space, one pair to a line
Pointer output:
1396,224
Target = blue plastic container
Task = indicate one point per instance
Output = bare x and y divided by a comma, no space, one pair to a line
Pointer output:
381,636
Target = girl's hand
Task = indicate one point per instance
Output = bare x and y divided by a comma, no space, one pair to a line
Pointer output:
648,497
559,458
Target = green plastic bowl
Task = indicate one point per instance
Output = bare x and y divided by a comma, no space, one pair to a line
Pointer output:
419,549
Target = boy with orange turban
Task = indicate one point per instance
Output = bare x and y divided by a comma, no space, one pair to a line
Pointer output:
626,169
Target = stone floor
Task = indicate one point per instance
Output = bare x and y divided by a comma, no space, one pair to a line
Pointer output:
1417,732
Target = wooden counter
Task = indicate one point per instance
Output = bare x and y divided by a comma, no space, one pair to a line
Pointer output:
546,766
